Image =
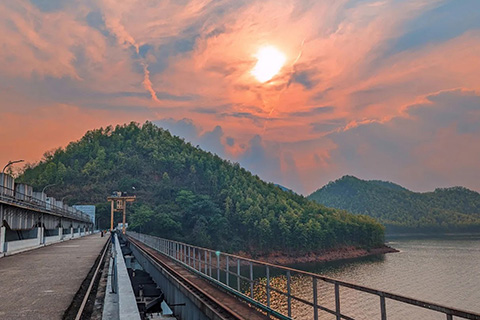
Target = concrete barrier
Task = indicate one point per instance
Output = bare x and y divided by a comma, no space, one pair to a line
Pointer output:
52,239
17,246
20,245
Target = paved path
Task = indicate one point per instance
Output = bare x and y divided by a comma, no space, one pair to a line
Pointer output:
40,284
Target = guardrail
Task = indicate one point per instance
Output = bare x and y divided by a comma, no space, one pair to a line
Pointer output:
34,203
219,271
121,284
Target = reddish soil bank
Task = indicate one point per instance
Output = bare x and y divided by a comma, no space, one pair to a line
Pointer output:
322,256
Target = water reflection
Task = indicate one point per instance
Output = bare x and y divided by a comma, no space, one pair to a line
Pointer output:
337,266
441,270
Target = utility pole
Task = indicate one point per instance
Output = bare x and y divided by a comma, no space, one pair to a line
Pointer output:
118,202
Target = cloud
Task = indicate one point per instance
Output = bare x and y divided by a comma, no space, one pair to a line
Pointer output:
42,43
328,125
259,157
211,141
305,78
418,149
313,112
262,159
438,24
148,84
367,80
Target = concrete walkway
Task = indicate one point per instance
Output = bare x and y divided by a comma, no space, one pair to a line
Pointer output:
40,284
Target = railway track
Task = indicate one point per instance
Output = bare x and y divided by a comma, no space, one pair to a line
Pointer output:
221,304
82,304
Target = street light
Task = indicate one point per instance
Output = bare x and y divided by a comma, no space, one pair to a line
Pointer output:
10,163
49,185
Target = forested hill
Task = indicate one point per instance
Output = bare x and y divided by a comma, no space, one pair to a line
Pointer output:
191,195
401,210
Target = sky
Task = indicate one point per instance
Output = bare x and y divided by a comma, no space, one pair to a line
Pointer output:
385,90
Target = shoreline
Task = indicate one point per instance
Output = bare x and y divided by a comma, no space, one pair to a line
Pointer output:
344,253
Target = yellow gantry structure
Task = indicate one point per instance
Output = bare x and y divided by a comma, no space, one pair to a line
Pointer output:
119,201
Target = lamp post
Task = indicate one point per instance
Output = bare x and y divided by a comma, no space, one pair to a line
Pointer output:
49,185
10,163
3,175
43,191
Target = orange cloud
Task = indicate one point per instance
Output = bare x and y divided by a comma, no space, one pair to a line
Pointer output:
351,65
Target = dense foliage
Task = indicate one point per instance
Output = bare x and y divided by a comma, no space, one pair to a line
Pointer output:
191,195
401,210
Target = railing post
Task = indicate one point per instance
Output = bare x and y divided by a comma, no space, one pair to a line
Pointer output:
449,317
194,259
251,280
218,267
337,301
238,274
268,287
199,261
210,264
315,299
383,309
227,272
289,294
206,262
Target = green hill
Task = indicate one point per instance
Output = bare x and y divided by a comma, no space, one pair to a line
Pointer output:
401,210
187,194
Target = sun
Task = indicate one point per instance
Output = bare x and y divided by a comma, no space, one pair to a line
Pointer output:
270,62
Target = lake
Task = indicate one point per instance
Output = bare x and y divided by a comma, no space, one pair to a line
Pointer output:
444,270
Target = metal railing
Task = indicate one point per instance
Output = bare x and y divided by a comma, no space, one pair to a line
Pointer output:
236,274
14,197
114,257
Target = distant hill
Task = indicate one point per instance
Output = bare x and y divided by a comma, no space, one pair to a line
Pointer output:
187,194
401,210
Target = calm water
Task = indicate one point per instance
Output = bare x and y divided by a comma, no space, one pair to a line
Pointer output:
441,270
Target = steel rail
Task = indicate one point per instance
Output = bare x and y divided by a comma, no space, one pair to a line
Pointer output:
214,304
92,282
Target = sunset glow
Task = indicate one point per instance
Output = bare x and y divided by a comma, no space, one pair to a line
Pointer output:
269,62
299,92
